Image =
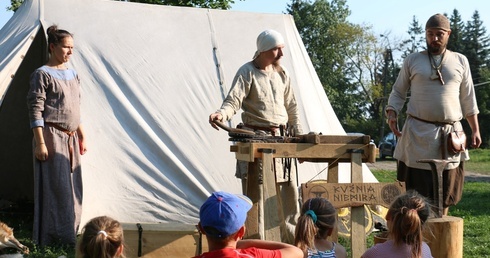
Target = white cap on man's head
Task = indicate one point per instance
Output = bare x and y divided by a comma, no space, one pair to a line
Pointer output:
268,40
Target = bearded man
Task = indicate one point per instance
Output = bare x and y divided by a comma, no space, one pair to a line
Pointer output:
262,89
441,94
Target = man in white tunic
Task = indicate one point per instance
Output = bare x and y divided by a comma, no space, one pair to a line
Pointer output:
262,89
441,94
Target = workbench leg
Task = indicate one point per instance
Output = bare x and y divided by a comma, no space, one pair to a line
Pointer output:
358,220
333,177
254,192
272,207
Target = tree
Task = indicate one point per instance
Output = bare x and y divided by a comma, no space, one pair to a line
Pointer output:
416,42
387,74
213,4
476,46
328,39
483,98
456,43
476,49
15,4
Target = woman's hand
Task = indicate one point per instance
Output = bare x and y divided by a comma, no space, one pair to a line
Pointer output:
41,151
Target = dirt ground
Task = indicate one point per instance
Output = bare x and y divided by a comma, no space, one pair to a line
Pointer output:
390,164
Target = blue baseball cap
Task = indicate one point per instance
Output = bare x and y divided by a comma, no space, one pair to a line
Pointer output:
224,213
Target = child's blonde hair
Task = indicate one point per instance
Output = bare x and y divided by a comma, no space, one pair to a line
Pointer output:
318,219
407,216
102,237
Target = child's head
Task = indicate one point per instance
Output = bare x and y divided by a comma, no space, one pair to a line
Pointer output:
317,220
102,237
223,215
406,218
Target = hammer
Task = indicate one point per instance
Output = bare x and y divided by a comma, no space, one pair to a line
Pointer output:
437,166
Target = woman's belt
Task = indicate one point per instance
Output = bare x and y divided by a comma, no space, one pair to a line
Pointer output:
59,128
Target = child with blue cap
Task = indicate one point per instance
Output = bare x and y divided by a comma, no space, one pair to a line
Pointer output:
222,219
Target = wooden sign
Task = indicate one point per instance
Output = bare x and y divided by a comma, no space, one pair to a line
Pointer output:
353,194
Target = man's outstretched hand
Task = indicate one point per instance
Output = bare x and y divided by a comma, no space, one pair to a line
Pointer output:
215,117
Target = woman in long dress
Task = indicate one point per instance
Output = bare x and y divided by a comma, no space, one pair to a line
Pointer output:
59,140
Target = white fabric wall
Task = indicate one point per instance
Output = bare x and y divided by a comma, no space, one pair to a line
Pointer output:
149,81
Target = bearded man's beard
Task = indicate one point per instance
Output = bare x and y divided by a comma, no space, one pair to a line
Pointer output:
435,48
277,62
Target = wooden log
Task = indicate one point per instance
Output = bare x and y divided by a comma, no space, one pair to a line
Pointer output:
445,237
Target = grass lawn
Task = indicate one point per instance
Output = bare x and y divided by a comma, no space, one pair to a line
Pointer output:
474,208
479,161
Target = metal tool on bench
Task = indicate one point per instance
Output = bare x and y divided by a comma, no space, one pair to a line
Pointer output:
437,166
242,132
243,135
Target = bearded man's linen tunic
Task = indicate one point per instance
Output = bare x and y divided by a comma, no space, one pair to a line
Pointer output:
431,101
267,100
54,104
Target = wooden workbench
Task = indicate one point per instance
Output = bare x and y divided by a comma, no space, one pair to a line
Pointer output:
266,218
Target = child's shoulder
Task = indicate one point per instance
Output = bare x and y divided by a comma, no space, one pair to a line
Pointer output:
340,251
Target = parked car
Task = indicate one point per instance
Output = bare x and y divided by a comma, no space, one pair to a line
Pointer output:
387,145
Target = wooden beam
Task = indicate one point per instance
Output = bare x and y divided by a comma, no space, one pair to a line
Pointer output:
307,151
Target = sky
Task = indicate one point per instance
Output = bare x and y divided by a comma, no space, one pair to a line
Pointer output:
386,17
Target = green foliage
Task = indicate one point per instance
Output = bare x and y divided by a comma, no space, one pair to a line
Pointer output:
416,41
457,32
337,49
15,4
213,4
476,46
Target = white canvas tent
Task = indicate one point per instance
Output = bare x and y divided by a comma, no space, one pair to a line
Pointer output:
150,75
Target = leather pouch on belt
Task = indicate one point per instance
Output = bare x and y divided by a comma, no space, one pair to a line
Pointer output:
456,142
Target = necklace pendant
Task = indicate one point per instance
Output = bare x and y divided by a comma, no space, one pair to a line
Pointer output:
434,75
440,77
